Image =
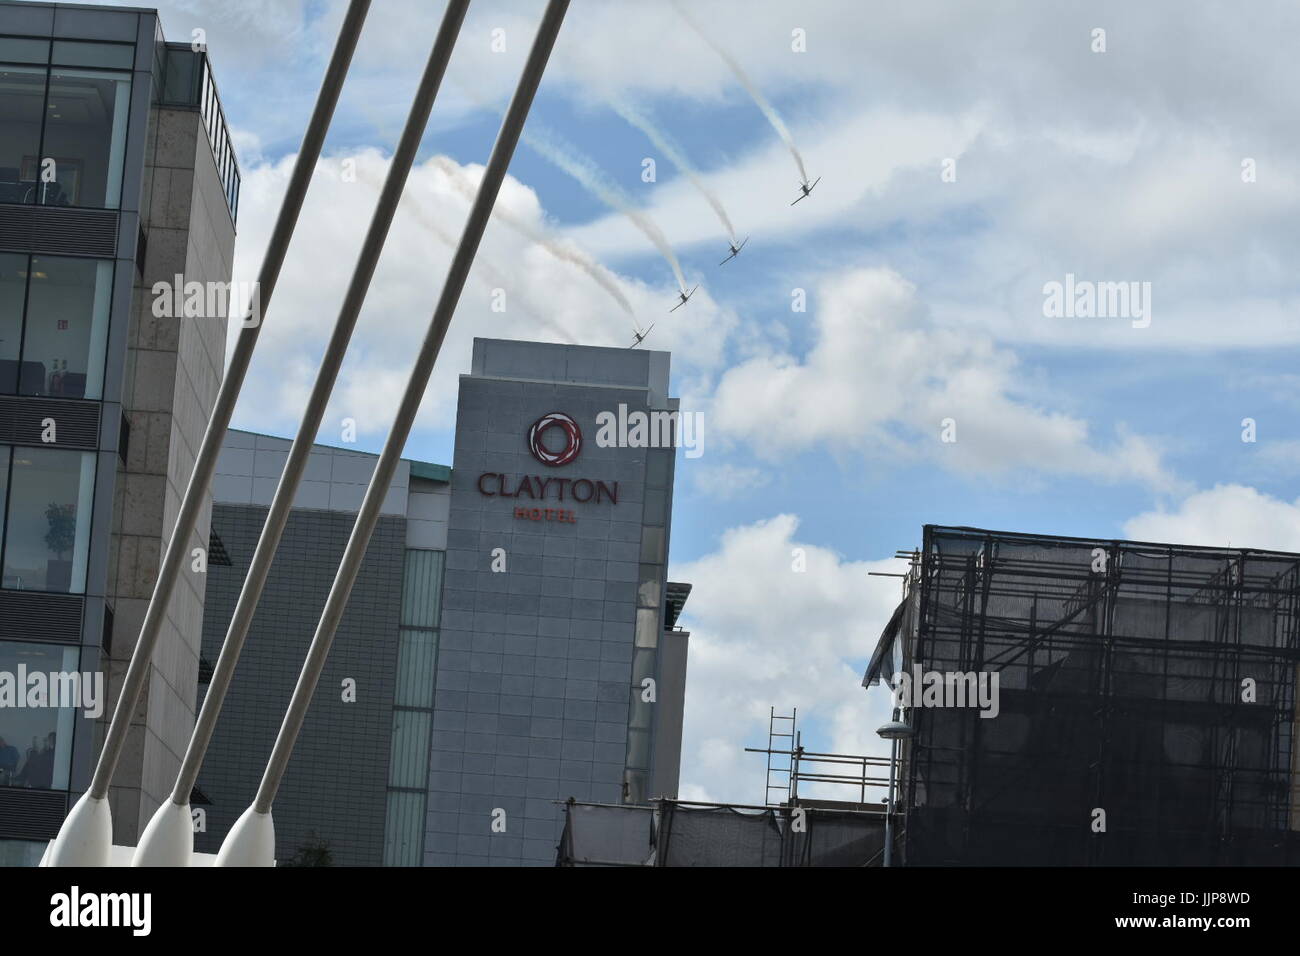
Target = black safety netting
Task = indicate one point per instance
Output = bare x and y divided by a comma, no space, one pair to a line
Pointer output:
679,834
603,835
1145,703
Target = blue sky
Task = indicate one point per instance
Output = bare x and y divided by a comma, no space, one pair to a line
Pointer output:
925,297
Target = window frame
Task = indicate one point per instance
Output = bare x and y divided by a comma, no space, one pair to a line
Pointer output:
28,259
49,66
80,589
64,770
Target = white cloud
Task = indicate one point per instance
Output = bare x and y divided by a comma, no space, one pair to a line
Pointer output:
546,298
763,634
1223,516
726,481
881,377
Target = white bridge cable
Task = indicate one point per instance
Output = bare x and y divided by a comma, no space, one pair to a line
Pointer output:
85,837
166,845
251,840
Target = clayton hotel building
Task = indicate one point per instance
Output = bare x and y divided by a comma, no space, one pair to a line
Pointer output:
512,638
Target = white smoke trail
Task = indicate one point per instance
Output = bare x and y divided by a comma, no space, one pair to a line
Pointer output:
759,99
573,256
567,158
675,154
486,271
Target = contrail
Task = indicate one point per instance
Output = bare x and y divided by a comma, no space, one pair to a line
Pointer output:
759,99
565,253
485,269
575,257
569,160
674,152
589,176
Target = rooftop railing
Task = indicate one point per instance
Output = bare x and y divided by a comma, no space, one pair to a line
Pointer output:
187,82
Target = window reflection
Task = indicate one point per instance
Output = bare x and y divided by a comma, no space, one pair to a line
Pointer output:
36,742
85,136
13,289
63,129
22,90
47,526
68,302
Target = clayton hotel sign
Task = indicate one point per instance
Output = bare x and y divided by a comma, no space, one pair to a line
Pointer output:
554,440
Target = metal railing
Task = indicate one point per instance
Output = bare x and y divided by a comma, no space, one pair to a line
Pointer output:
187,82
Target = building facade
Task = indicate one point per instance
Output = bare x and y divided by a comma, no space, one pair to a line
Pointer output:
549,661
358,769
499,653
116,172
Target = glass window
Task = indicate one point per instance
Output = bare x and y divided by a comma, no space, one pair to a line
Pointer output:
652,545
85,135
403,828
642,712
181,81
647,627
36,742
643,666
421,588
649,591
77,53
24,50
68,303
635,785
417,652
13,289
656,507
658,466
22,90
22,852
638,748
47,527
409,759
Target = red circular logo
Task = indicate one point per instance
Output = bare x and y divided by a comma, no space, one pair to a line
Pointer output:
572,439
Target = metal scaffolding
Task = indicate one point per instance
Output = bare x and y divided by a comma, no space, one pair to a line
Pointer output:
1146,702
840,788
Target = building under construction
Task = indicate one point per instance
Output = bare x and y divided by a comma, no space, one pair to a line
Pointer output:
1141,710
838,819
1146,702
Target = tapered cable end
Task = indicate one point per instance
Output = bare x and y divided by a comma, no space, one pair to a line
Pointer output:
250,842
86,837
168,840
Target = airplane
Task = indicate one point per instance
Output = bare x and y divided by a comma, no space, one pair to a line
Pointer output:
807,188
685,297
640,336
735,251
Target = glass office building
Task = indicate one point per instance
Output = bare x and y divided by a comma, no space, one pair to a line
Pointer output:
113,151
